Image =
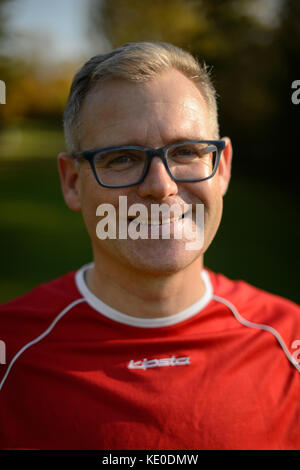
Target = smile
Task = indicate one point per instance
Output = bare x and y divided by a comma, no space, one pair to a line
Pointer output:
166,221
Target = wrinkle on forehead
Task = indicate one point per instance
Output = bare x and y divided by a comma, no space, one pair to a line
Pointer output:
116,116
145,112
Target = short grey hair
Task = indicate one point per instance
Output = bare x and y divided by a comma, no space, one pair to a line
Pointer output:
137,62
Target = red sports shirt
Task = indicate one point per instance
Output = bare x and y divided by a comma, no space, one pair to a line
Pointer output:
222,374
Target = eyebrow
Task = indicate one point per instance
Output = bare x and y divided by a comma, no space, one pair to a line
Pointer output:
176,140
184,139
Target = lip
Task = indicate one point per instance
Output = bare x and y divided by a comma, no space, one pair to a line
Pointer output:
167,230
169,221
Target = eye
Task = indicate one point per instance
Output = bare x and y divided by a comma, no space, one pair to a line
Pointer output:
184,154
122,160
117,160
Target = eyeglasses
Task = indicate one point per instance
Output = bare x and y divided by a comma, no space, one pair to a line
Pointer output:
128,165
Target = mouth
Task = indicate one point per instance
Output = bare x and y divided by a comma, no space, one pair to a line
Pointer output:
161,221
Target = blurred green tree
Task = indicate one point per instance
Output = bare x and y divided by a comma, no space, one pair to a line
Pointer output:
286,122
171,20
3,75
2,17
35,90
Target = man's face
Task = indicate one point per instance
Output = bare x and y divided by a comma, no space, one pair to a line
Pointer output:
164,110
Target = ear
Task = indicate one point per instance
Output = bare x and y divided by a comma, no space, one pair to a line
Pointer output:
224,170
69,179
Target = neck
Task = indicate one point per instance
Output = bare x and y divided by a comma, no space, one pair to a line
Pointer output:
145,295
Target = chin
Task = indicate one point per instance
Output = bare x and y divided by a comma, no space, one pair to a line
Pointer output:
157,257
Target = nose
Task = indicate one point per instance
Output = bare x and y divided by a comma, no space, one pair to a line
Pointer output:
158,183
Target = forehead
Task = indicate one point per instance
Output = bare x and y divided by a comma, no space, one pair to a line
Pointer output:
167,108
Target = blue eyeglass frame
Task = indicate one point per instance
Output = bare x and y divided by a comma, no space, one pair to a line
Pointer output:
161,152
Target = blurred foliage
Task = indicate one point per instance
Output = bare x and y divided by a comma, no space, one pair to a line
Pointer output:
42,239
253,48
35,89
174,21
31,120
2,17
34,92
31,139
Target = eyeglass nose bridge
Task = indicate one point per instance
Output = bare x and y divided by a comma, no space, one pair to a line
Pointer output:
160,153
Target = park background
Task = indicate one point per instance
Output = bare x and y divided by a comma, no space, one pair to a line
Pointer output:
253,49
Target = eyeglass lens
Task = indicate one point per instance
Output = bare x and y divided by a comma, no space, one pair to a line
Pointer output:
126,166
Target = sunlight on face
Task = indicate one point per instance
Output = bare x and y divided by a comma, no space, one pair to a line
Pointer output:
162,111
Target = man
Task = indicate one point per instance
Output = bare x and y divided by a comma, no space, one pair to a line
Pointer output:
146,348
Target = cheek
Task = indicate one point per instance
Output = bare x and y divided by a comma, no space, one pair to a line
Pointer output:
213,201
214,211
208,193
92,195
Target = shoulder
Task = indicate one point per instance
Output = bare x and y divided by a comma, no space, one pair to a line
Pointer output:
45,296
257,308
27,316
248,295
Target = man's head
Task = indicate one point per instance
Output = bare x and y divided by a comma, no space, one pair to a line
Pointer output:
150,95
136,63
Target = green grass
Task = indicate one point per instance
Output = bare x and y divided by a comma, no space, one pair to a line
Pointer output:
31,140
42,239
259,237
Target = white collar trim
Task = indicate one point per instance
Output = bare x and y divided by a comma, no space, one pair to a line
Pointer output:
120,317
